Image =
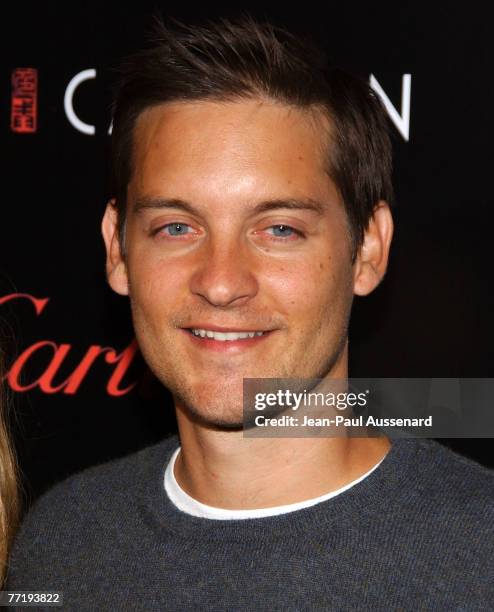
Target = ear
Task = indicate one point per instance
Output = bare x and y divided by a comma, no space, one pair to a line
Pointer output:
372,258
116,270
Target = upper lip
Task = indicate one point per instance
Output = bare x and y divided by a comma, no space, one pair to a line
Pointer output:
222,328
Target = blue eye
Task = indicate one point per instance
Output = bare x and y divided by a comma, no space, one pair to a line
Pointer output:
176,229
282,231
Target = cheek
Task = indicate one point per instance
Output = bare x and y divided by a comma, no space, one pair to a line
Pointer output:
155,287
312,292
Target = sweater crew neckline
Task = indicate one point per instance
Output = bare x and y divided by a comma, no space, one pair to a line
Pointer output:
183,501
381,486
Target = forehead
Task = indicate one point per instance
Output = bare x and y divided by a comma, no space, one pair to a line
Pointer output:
239,148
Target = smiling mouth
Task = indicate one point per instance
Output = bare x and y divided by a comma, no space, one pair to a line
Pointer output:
225,336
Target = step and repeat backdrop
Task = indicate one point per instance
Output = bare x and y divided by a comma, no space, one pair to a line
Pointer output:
80,393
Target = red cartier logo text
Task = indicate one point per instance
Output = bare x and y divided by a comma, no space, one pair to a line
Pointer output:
71,384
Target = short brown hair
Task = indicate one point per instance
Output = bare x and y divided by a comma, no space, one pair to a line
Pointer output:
243,58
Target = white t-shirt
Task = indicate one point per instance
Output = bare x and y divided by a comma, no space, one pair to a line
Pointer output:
188,504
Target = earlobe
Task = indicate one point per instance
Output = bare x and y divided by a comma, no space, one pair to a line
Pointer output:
372,259
116,270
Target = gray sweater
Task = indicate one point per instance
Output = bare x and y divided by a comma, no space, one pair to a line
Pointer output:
417,534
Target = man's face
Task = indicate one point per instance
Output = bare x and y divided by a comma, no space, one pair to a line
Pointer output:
233,225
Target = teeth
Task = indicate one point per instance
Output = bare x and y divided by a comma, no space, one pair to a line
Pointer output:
225,336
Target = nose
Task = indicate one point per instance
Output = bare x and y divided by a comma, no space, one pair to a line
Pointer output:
225,276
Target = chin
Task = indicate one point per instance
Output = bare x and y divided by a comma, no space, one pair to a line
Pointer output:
218,404
212,415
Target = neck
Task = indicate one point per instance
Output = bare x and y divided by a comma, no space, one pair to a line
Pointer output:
225,470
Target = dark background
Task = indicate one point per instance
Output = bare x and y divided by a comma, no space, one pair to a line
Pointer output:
430,318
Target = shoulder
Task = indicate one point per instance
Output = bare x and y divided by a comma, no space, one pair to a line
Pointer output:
114,476
454,472
86,505
450,490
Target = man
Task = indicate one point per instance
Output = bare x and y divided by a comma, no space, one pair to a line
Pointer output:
251,204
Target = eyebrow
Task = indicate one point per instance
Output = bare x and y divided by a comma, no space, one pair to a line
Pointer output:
150,202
